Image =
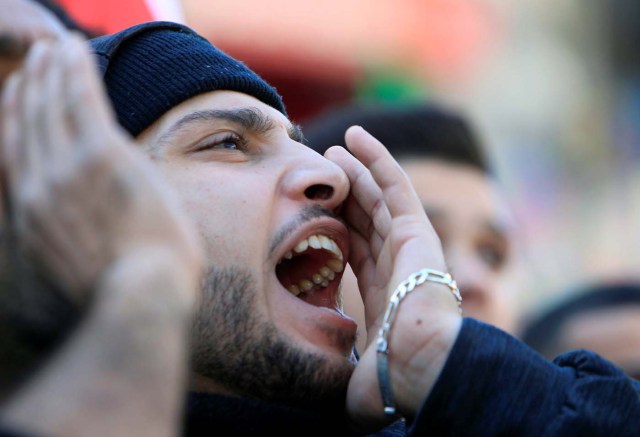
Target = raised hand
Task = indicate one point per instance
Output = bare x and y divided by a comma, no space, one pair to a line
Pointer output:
391,238
94,214
81,196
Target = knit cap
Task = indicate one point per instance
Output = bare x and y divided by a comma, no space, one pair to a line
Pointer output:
152,67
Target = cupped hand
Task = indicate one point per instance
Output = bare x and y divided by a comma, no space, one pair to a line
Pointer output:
80,196
391,238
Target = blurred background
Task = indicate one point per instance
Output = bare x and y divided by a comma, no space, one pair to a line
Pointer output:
552,87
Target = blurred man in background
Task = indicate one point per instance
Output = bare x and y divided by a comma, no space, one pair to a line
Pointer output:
447,164
601,317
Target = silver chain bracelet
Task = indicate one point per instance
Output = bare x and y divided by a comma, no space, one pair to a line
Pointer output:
382,344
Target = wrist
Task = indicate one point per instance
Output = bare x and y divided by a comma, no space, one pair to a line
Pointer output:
148,283
419,341
422,343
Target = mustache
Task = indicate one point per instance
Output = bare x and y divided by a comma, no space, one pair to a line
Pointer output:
306,215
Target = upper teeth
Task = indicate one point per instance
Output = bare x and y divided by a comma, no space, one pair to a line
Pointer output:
327,272
316,242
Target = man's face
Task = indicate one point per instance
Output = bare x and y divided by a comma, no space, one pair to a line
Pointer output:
268,324
476,234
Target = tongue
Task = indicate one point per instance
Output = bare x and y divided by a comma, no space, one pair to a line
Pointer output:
318,296
302,267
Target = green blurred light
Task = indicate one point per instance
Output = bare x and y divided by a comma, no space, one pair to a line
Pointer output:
391,87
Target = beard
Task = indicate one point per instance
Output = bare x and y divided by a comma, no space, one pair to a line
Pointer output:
233,346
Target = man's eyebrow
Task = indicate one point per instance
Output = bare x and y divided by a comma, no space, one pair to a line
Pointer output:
295,133
251,119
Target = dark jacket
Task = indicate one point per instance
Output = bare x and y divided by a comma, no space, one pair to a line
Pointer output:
492,384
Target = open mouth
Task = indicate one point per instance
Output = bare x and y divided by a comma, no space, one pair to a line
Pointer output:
310,267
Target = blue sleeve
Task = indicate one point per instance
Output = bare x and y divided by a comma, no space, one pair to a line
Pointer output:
493,384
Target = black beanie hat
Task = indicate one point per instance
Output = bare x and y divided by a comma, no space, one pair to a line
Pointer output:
152,67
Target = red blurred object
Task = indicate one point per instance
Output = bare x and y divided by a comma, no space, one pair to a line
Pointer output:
108,16
316,53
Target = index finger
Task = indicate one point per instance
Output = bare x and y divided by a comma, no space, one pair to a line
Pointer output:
399,195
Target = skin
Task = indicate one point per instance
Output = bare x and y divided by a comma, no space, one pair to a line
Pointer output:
242,196
391,238
116,377
477,236
248,206
93,213
263,184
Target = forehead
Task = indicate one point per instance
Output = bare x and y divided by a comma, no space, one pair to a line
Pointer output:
613,332
456,190
214,100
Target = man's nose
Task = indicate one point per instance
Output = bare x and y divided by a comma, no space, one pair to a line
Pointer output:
311,178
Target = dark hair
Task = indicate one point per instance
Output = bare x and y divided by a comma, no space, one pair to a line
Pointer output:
542,333
411,130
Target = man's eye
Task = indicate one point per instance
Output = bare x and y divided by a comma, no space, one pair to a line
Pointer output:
228,142
492,256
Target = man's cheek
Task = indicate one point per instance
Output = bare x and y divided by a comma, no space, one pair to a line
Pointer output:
230,244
